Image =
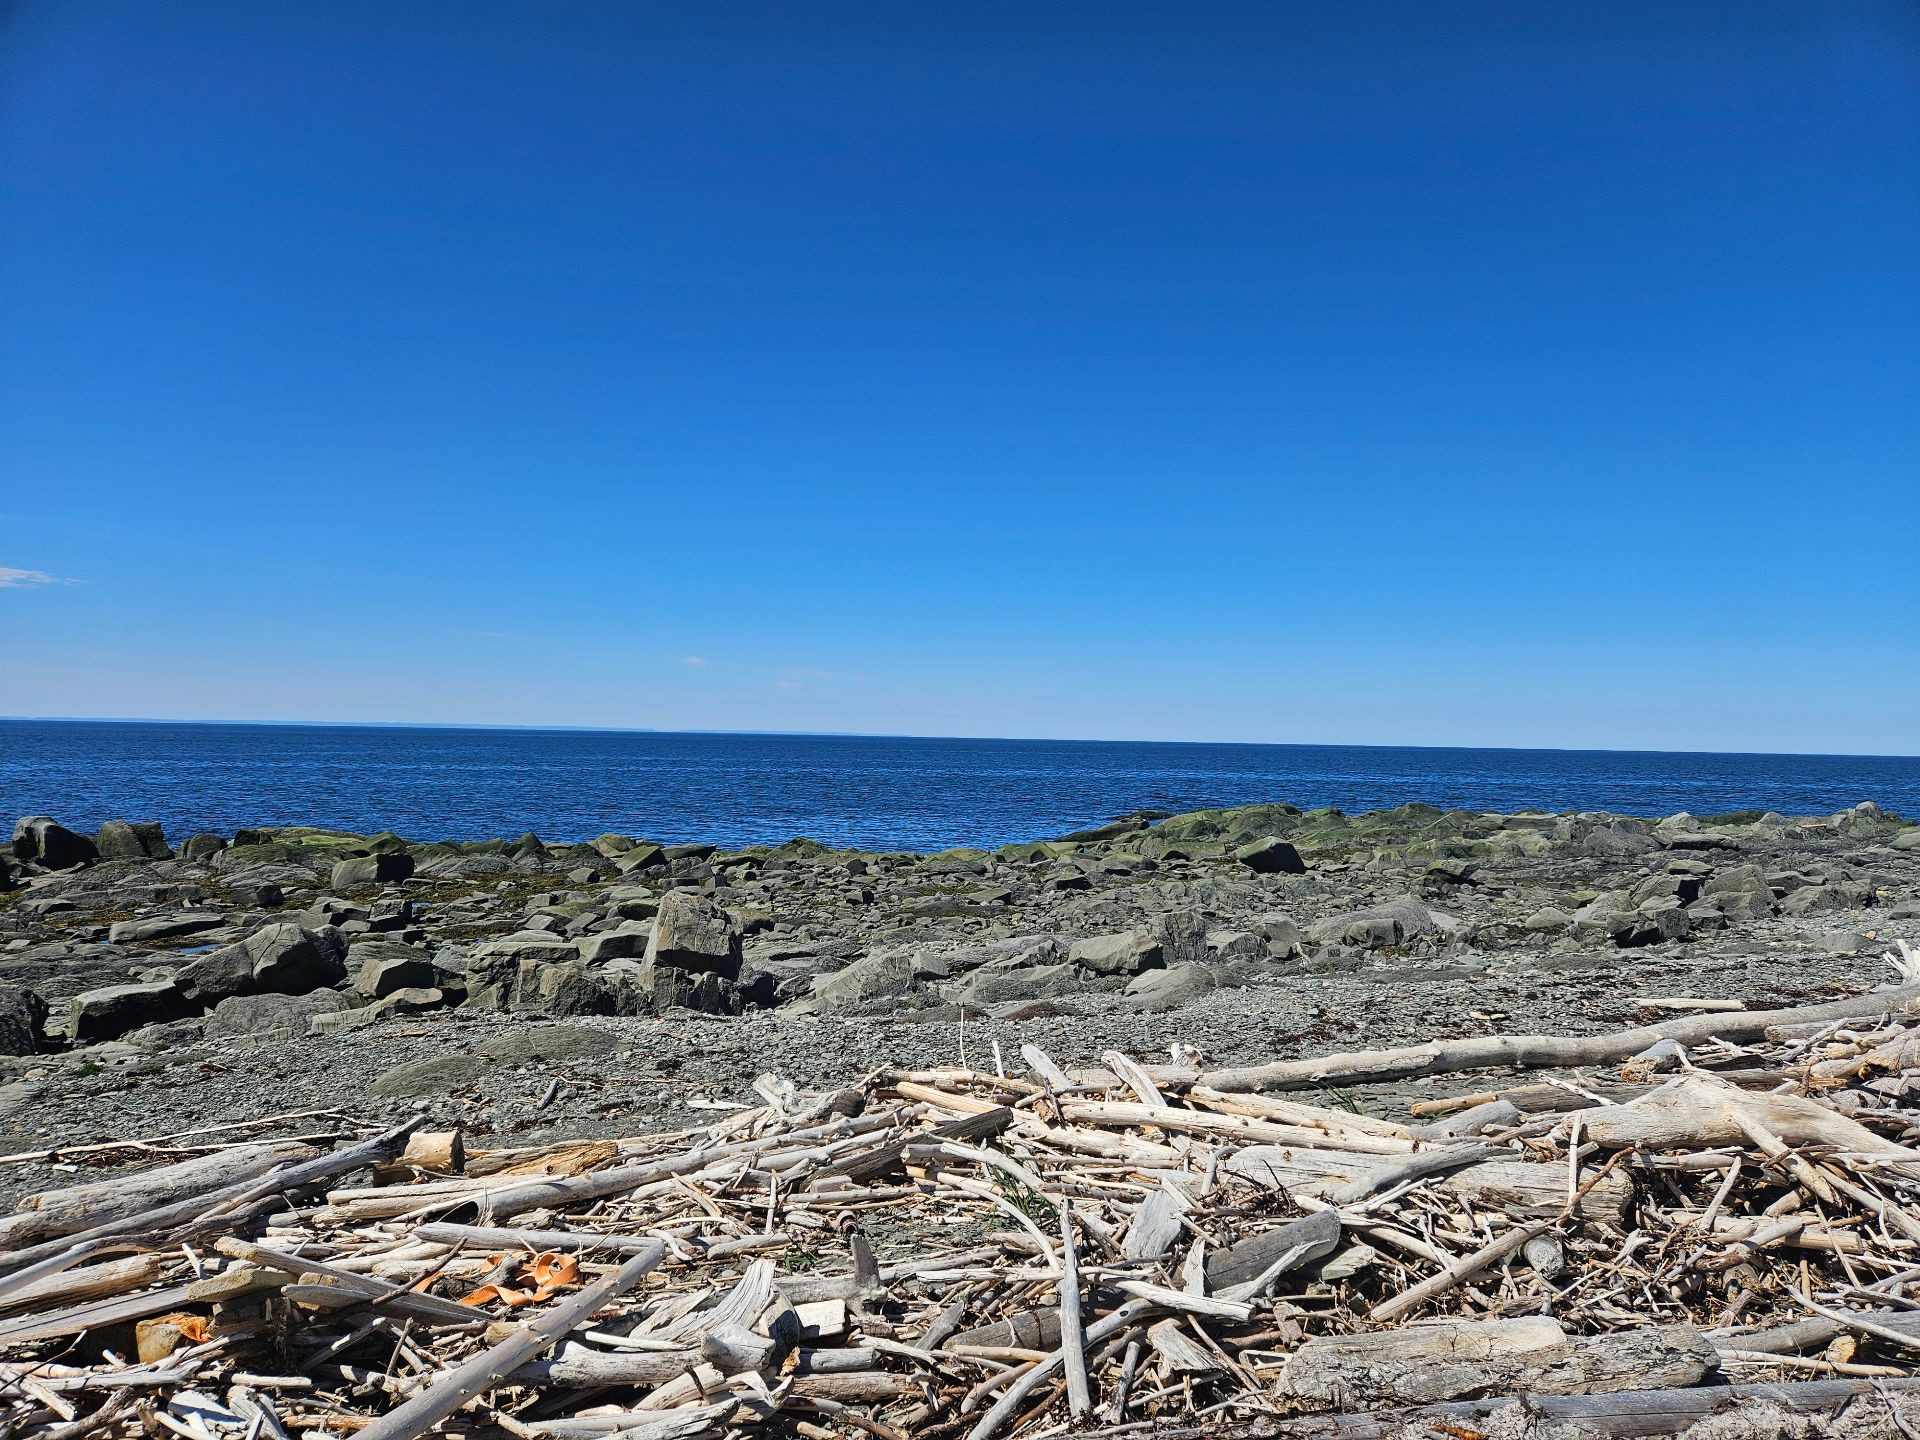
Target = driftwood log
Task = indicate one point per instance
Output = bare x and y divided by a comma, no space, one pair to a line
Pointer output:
1541,1052
1533,1356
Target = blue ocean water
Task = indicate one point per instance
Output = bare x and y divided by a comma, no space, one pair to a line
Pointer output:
883,793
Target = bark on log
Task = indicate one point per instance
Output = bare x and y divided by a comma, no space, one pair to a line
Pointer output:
1621,1414
1532,1355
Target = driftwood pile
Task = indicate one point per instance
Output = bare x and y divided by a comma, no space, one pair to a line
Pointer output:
1731,1207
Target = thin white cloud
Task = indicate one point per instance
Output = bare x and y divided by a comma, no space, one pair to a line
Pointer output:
692,660
12,578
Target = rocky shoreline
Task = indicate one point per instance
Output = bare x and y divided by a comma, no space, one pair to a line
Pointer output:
524,987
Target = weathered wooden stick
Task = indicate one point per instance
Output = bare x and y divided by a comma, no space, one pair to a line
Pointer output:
1050,1074
1487,1255
429,1308
536,1193
580,1367
515,1239
491,1366
1522,1052
1073,1351
1238,1127
93,1315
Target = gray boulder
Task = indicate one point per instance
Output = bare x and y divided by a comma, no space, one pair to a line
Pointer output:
998,983
248,1015
217,975
767,982
1169,989
393,967
1379,927
202,846
264,895
632,904
408,1000
1271,856
292,960
1182,936
284,958
647,988
163,927
118,840
524,945
694,934
627,941
113,1010
42,840
876,981
382,869
1238,945
23,1020
642,857
1281,933
563,987
1740,892
1816,900
1127,953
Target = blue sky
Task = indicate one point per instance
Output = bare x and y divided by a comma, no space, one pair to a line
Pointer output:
1401,373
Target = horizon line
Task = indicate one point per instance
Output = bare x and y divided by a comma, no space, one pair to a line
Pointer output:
883,735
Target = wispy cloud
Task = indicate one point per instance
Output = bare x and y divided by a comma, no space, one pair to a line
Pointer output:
12,578
780,677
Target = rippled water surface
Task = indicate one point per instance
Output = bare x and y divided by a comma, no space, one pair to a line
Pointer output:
433,783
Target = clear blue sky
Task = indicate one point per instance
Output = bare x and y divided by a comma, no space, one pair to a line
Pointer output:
1463,373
